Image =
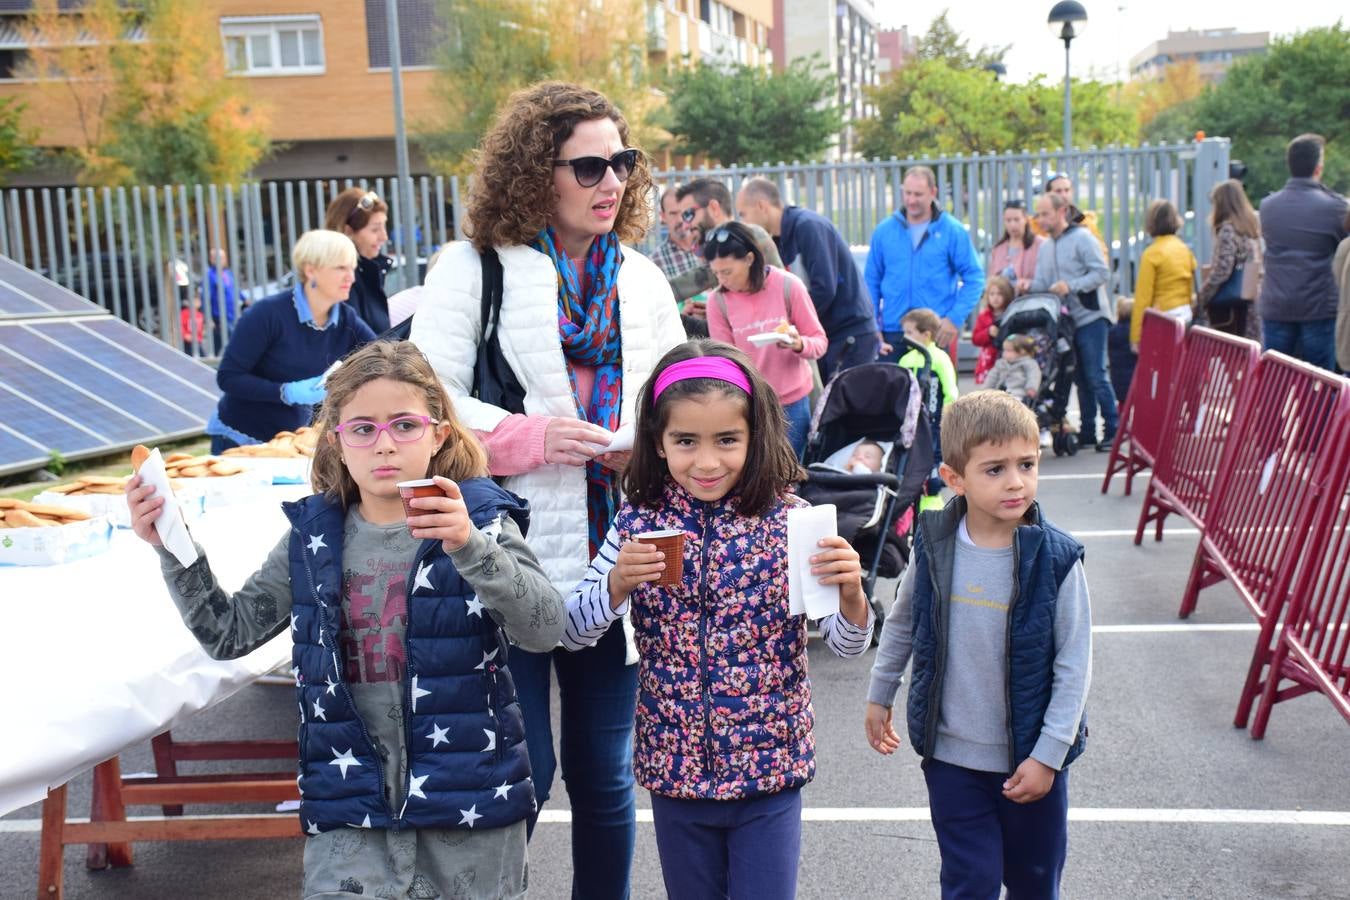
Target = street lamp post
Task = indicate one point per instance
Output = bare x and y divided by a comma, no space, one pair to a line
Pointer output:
1067,21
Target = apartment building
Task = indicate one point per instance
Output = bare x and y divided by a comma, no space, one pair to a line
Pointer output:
735,31
1214,49
843,33
894,48
321,69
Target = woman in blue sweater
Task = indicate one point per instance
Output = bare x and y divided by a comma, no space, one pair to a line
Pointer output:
271,375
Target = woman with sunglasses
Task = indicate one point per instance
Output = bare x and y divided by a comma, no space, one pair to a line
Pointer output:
584,321
362,216
754,300
1014,256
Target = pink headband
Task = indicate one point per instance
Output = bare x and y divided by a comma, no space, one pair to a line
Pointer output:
718,367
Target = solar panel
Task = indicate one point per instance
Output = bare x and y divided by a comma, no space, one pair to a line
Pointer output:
80,382
25,294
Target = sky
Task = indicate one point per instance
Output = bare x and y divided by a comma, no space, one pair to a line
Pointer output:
1116,29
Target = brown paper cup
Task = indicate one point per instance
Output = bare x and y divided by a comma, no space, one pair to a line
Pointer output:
422,487
671,545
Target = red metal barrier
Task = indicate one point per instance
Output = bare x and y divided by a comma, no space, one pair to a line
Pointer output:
1313,650
1206,399
1145,409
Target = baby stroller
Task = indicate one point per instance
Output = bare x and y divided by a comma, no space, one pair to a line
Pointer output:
1043,317
884,403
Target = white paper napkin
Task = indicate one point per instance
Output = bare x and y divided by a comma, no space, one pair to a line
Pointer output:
618,440
805,592
172,529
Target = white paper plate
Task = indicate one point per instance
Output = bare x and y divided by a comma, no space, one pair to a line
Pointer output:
766,338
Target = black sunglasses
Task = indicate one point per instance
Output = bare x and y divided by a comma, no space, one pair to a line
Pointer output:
589,170
688,214
727,236
1015,204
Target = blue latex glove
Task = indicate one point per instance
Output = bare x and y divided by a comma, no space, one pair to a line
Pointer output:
305,392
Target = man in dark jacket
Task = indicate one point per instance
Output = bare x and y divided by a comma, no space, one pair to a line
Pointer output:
814,250
1301,224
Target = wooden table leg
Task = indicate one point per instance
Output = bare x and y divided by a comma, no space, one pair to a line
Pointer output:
51,850
165,764
106,806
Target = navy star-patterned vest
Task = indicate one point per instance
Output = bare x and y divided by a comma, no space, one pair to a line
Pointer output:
1043,556
467,766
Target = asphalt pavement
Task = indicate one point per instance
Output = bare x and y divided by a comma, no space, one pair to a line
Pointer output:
1169,800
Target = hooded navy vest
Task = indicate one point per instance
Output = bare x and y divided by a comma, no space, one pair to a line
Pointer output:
1043,556
467,766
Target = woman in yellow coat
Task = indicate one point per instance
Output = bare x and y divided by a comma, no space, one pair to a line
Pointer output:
1166,270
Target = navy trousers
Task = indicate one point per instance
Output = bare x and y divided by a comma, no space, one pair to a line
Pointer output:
730,849
988,841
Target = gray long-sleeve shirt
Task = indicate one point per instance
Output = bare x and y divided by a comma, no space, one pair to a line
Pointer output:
507,579
1074,258
973,721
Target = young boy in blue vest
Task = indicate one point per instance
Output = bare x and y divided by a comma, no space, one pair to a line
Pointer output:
993,613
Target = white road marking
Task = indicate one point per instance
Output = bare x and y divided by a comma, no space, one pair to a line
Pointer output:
1121,815
1129,532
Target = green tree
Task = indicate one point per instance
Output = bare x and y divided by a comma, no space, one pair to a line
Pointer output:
934,107
495,47
16,139
746,114
157,110
1264,101
944,43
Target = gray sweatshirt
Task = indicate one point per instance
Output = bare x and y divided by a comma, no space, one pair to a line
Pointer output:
973,722
1021,377
1075,258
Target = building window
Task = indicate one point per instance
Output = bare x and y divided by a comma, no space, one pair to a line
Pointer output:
421,32
273,45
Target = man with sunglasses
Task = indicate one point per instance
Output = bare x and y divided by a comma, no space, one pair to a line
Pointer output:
676,257
703,205
816,252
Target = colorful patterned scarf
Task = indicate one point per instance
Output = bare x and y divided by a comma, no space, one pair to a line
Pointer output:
589,328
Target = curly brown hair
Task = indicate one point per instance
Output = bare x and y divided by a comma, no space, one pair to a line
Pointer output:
512,198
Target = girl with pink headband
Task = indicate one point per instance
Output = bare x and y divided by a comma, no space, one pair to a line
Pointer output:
724,721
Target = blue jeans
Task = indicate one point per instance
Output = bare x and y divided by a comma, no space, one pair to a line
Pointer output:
845,353
986,840
1094,387
799,423
1313,342
737,849
599,697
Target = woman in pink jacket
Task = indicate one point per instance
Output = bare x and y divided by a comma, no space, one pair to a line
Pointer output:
766,312
1014,256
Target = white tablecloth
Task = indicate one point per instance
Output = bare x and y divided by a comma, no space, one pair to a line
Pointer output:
95,657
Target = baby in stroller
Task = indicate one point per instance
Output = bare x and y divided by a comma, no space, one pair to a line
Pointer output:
1017,372
1043,319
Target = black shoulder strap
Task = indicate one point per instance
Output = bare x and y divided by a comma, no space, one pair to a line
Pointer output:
491,311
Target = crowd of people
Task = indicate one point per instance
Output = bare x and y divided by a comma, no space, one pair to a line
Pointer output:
532,346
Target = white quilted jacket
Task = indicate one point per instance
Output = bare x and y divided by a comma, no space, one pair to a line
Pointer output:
447,329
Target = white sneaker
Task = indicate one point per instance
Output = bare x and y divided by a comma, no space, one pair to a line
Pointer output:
1045,437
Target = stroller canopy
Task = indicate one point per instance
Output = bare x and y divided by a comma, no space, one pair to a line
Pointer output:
877,400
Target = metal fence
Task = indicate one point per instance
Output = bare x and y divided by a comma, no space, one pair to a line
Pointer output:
128,249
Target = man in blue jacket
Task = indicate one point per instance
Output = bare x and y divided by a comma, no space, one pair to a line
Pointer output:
814,250
922,258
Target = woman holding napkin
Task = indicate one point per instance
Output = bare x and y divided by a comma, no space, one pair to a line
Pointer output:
271,375
583,321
